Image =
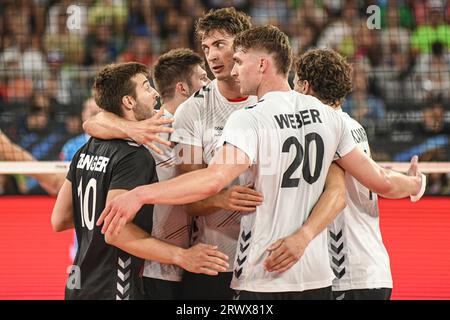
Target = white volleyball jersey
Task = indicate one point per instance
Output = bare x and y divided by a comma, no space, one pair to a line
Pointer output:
358,256
199,121
170,223
291,140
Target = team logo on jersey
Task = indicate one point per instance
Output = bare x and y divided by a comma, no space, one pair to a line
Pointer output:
244,243
218,131
337,254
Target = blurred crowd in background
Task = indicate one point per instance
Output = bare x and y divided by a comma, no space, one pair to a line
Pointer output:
51,50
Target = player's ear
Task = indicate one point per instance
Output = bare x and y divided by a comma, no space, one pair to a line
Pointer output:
263,63
182,88
128,102
306,87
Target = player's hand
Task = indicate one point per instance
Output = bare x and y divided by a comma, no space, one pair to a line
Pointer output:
414,172
118,212
146,131
240,198
285,252
203,258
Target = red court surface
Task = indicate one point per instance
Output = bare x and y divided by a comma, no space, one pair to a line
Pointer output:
34,259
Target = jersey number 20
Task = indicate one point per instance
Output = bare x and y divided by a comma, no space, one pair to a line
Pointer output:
301,154
87,218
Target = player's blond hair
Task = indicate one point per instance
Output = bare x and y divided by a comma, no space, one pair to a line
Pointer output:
270,39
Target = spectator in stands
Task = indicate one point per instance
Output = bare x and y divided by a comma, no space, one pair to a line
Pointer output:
90,109
139,17
98,54
361,104
140,50
438,184
40,137
24,52
305,24
340,33
106,38
403,13
67,42
432,135
433,71
394,35
274,12
434,30
434,119
310,13
111,13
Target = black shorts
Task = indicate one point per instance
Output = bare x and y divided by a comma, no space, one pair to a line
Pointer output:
363,294
157,289
314,294
203,287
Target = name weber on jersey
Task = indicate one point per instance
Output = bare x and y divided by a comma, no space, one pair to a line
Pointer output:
298,120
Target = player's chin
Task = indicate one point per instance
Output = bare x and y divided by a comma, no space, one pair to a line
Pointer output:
223,74
245,91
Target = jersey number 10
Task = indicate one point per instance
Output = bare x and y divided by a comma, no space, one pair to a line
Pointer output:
303,154
87,220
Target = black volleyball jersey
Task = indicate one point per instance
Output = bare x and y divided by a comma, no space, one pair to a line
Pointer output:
102,271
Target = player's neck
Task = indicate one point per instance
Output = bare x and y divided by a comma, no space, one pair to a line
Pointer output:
273,84
230,89
129,115
171,105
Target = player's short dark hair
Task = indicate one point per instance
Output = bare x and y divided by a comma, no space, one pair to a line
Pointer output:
114,82
172,67
270,39
226,20
328,74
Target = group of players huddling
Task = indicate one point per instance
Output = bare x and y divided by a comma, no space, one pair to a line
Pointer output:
264,192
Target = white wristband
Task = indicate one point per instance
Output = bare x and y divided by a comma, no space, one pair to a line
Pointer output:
415,198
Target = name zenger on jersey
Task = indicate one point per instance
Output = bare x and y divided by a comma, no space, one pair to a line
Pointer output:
92,163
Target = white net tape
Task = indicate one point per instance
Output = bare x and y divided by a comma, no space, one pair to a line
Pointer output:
45,167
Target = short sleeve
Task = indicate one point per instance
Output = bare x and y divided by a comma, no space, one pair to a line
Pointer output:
73,167
188,123
241,131
135,169
346,142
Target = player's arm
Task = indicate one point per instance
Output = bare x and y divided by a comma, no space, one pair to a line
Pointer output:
285,252
198,259
62,216
386,183
10,151
193,186
106,125
50,182
234,198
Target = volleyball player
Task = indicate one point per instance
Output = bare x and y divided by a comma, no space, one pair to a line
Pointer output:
302,137
177,75
100,171
358,257
198,127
